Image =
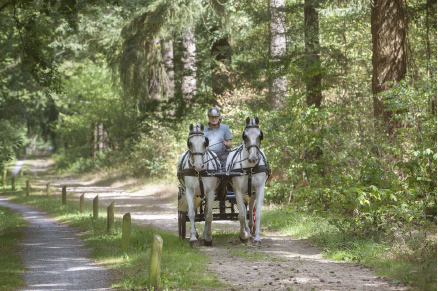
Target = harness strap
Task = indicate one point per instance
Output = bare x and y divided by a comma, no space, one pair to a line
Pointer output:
201,185
249,183
193,173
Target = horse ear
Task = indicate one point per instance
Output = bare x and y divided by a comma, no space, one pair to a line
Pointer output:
247,120
257,120
191,127
202,127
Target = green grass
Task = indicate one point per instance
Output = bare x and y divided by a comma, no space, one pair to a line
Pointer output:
408,260
11,272
182,267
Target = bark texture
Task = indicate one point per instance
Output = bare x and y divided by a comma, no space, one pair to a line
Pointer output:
188,86
167,56
313,74
277,50
389,55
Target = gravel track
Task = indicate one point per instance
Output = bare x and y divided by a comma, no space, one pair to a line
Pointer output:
54,256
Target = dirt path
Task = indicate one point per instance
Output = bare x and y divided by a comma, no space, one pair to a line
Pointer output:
281,263
54,256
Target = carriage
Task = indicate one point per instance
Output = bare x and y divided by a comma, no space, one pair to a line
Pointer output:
199,174
224,206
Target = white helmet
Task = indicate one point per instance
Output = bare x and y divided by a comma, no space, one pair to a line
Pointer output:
213,111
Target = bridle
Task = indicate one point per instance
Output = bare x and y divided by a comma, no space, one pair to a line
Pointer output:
192,154
257,146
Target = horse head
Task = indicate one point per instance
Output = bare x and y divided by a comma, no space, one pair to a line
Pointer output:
197,144
252,137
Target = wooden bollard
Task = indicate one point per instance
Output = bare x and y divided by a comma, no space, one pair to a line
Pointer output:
5,174
110,217
81,203
126,231
13,183
154,270
48,189
96,207
27,188
64,195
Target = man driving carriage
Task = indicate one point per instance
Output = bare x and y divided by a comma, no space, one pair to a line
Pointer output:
219,137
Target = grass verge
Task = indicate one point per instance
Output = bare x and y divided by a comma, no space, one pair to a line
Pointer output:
11,272
182,267
409,258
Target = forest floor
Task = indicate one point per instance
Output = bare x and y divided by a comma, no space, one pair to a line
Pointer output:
281,263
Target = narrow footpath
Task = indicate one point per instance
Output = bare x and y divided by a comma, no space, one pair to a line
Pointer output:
54,256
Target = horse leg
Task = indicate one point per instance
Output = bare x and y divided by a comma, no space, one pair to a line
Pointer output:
251,214
244,235
191,215
260,194
208,218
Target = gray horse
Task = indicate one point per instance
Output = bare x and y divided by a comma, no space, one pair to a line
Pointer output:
250,160
195,169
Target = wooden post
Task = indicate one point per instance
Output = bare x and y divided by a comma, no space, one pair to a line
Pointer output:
126,231
13,183
64,195
154,270
96,207
5,174
27,187
110,217
81,203
48,189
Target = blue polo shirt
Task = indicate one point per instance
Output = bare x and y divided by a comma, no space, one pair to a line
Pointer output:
217,136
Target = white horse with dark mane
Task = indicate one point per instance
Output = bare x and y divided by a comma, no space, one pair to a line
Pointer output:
196,168
249,160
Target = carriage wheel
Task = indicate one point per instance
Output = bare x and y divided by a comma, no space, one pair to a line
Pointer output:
182,219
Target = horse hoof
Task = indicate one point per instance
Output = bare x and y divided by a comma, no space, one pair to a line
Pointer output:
208,243
257,243
242,240
194,243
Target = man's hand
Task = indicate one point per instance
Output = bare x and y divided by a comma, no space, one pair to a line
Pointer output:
227,143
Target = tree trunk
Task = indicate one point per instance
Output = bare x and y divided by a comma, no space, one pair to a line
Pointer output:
154,86
277,49
389,55
167,55
188,85
221,50
430,9
313,65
